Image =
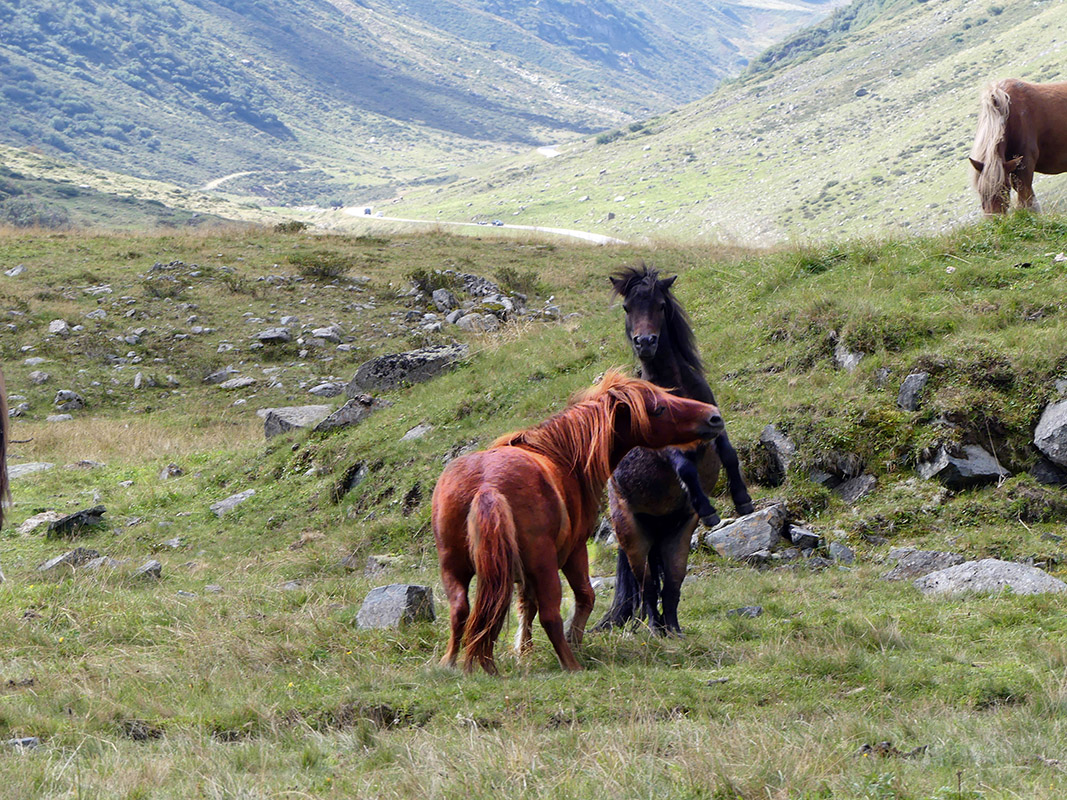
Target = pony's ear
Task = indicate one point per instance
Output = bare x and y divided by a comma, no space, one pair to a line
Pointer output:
978,165
618,284
1014,164
666,283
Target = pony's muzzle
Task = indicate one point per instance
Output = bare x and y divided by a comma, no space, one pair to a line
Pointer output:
645,345
713,427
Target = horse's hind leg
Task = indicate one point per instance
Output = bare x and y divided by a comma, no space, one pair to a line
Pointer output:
527,612
576,570
736,481
456,583
675,559
544,574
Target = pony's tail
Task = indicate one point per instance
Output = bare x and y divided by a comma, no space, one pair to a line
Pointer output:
993,111
492,542
5,489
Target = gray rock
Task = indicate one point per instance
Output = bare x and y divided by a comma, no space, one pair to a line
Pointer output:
330,334
376,565
780,449
1050,436
842,553
15,471
274,336
149,569
745,611
453,316
744,539
223,507
394,605
58,418
102,562
803,538
67,400
288,418
911,389
397,369
36,521
237,383
213,588
37,377
20,410
1047,473
70,560
846,359
472,323
24,743
854,490
603,584
73,524
353,412
59,327
221,376
170,471
418,432
328,389
15,271
975,467
990,575
444,300
916,563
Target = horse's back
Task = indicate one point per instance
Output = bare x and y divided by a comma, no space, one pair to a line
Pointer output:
1037,124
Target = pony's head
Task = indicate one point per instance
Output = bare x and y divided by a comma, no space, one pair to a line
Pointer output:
993,180
651,310
994,173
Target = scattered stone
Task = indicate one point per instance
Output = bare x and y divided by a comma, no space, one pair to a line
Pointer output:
1050,436
72,559
213,588
67,400
842,553
454,316
397,369
745,611
221,376
15,471
237,383
20,410
911,389
102,562
223,507
149,569
418,432
353,412
975,467
73,524
330,334
24,743
781,450
803,538
292,586
477,323
817,563
854,490
603,584
886,750
444,300
37,377
990,575
281,420
170,471
37,520
274,336
59,327
328,389
916,563
394,605
58,418
846,359
14,272
376,565
751,534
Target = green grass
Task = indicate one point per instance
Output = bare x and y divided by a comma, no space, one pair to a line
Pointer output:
267,688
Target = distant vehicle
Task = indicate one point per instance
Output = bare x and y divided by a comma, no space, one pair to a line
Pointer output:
366,211
498,222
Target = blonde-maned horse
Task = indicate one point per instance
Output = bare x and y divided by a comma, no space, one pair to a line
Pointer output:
1022,129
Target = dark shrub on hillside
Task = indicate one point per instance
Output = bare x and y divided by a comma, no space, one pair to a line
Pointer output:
27,212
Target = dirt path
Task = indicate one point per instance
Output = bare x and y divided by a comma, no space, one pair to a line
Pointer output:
207,187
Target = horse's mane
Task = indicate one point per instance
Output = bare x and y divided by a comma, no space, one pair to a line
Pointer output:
988,141
675,319
581,435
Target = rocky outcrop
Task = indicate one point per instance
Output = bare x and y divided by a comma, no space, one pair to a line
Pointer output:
398,369
990,575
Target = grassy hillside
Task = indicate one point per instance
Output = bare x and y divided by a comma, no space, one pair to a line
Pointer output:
241,672
858,127
322,102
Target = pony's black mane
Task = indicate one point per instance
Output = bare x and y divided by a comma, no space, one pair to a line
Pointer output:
675,319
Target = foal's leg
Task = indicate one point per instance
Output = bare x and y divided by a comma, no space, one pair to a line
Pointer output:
576,570
684,465
650,585
736,481
675,554
457,582
527,612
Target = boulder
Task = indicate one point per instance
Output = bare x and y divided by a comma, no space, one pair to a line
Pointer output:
237,383
222,507
19,470
803,538
975,466
394,605
745,611
274,336
854,490
222,375
288,418
841,552
760,531
71,560
911,389
1050,436
327,389
990,575
916,563
444,300
418,432
37,520
73,524
397,369
59,327
150,569
353,412
780,450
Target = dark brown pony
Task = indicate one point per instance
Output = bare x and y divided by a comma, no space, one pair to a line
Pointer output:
523,510
656,497
1022,129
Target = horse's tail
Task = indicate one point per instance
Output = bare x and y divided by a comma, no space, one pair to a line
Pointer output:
992,124
5,490
491,537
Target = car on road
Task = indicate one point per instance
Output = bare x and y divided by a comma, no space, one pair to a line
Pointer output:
498,222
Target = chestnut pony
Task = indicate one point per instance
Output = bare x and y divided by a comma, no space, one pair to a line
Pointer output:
1022,129
523,509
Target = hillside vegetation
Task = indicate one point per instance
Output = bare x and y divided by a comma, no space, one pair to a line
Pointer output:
343,101
859,126
241,671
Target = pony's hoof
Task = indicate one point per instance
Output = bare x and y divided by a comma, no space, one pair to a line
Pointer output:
745,509
711,520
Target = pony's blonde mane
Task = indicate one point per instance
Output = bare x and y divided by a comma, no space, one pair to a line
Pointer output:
988,142
581,436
